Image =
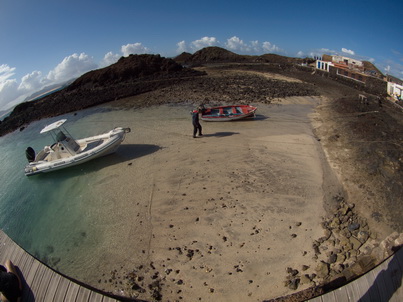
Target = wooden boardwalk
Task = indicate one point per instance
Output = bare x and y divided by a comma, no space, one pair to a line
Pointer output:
42,284
383,283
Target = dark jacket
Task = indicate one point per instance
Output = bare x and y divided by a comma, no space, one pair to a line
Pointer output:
195,117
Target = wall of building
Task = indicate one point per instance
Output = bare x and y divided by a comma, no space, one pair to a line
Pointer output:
347,60
323,65
395,90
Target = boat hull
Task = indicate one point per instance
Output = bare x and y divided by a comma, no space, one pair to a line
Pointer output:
107,143
228,113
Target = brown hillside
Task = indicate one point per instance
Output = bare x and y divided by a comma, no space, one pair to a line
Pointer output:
129,68
130,76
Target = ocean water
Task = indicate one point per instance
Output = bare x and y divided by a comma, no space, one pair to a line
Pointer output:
49,212
64,217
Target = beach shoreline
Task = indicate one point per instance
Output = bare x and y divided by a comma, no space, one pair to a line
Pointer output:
270,207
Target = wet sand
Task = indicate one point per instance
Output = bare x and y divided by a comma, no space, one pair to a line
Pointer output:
219,217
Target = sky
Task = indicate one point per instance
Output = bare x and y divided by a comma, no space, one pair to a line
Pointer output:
45,42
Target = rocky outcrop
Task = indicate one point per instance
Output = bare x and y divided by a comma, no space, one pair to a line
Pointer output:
130,76
347,250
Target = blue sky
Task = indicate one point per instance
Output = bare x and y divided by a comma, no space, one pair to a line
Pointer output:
44,42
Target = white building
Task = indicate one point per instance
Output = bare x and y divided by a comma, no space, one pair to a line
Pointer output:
348,61
395,90
323,65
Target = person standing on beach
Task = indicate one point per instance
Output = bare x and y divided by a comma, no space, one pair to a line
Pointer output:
10,283
196,123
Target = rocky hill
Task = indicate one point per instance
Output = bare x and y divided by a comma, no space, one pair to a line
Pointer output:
130,76
219,55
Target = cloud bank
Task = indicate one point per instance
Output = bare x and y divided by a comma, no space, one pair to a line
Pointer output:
13,92
234,44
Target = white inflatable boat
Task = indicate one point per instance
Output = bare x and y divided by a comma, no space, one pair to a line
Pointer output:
67,152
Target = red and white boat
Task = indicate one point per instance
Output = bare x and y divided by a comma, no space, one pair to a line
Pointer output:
228,113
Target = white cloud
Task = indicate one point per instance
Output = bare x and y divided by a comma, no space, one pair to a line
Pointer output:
6,72
8,92
12,92
71,67
32,81
181,47
136,48
204,42
236,44
268,47
348,51
109,59
300,54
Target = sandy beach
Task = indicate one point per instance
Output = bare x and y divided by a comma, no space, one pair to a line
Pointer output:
298,200
214,218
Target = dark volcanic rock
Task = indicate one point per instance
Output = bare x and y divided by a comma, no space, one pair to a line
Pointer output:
130,76
220,55
128,69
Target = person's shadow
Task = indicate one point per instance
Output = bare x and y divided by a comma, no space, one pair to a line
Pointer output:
388,281
27,294
220,134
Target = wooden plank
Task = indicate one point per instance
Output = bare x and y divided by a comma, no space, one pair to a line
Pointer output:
8,245
83,294
16,259
352,291
61,290
364,283
400,258
72,292
340,294
29,276
40,293
95,297
37,280
392,273
316,299
384,286
25,264
52,287
109,299
42,283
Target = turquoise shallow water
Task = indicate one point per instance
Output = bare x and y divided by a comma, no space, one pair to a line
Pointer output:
72,218
48,214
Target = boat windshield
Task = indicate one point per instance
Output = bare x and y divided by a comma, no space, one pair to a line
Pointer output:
60,136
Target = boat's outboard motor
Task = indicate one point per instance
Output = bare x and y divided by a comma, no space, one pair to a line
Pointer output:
30,154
